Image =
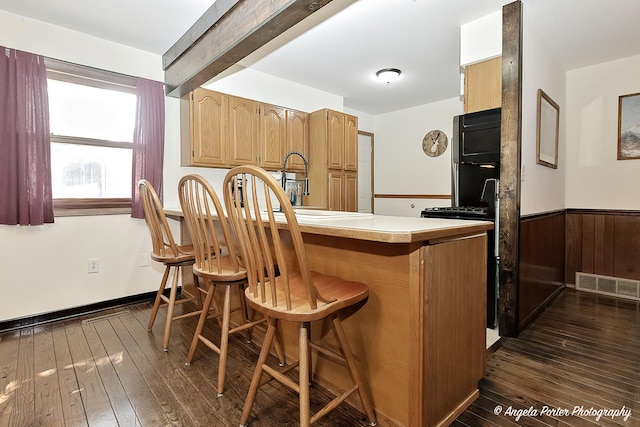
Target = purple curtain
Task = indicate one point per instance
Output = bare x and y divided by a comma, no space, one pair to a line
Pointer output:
148,140
25,150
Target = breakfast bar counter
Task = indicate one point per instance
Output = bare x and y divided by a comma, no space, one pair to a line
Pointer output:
420,338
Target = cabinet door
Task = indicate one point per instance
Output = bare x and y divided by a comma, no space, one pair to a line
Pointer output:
483,85
350,143
336,190
208,128
351,192
272,136
242,131
335,139
297,139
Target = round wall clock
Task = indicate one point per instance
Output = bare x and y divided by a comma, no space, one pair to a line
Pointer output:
434,143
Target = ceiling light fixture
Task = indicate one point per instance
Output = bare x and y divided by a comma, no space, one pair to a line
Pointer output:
388,75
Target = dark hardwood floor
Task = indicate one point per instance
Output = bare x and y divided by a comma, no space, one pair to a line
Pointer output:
583,351
105,369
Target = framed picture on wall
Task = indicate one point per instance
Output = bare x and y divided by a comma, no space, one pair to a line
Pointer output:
548,126
629,126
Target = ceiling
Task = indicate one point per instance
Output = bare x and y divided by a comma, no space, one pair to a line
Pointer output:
341,54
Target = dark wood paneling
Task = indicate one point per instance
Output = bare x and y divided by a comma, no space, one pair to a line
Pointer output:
626,247
559,240
588,243
603,242
573,248
542,263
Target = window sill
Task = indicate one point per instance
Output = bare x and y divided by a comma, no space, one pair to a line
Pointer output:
62,212
90,207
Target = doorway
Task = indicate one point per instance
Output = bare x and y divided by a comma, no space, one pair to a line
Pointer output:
365,172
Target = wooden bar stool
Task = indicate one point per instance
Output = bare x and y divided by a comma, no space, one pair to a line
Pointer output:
216,263
296,295
166,251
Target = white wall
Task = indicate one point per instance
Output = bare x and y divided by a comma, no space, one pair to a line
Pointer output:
262,87
56,42
542,188
44,268
400,165
481,39
595,178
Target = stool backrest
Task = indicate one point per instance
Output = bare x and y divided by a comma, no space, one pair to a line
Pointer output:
257,207
161,238
207,224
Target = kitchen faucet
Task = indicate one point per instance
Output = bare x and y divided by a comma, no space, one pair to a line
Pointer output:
283,178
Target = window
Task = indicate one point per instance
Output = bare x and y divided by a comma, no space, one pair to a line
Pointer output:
92,118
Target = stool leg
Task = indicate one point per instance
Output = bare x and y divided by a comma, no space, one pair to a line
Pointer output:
245,311
196,284
257,374
224,339
277,343
353,370
215,304
303,369
201,320
170,307
156,303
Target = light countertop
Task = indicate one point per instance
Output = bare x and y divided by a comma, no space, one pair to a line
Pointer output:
380,228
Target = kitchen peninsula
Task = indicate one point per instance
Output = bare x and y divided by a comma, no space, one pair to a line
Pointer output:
420,339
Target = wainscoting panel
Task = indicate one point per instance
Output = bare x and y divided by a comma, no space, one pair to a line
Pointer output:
542,263
626,246
605,243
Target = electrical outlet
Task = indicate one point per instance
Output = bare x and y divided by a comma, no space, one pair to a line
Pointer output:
94,265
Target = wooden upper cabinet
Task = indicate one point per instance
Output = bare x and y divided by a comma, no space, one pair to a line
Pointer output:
351,143
272,136
333,163
342,141
243,131
335,139
483,85
220,130
205,123
297,139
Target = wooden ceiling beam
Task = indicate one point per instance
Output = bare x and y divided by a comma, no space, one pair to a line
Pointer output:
228,32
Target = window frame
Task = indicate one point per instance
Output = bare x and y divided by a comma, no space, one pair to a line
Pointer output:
102,79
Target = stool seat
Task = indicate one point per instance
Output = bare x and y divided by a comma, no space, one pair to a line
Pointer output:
340,292
167,256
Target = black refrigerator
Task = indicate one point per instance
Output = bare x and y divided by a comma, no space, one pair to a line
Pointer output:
475,170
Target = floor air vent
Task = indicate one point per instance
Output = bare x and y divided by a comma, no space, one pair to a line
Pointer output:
623,288
106,317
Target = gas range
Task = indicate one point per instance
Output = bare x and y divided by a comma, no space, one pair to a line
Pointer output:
458,212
